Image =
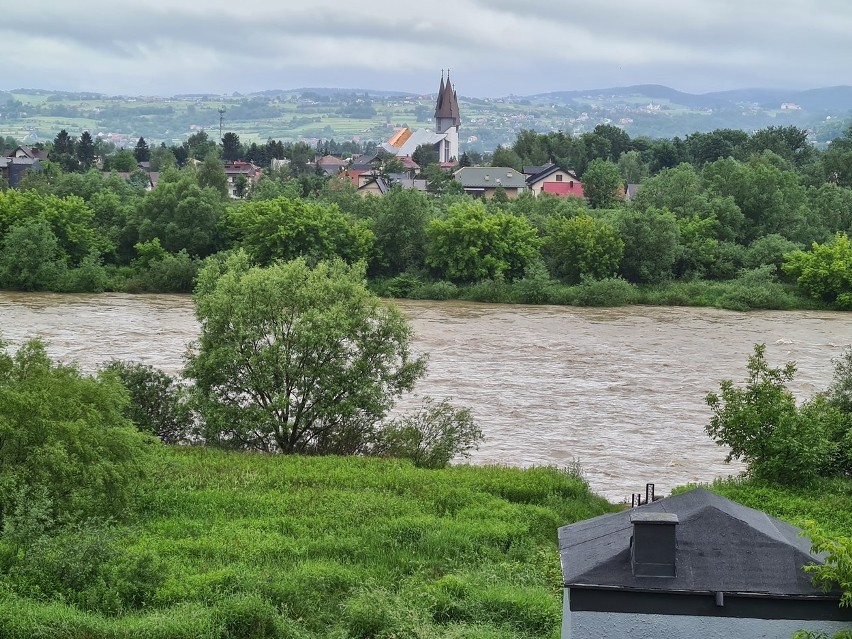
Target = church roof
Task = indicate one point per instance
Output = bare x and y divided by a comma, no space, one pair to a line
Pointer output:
722,546
447,105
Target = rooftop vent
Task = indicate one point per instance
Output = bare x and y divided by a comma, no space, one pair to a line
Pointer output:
653,544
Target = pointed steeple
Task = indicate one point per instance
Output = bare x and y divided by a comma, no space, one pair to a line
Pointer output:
447,105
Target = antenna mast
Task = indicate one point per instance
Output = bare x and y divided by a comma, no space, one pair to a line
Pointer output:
221,120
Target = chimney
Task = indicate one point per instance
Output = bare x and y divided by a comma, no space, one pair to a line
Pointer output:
653,544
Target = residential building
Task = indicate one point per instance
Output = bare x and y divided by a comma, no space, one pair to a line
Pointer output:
13,169
233,170
25,152
483,181
692,566
553,180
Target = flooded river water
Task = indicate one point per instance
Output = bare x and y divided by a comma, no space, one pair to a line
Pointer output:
619,390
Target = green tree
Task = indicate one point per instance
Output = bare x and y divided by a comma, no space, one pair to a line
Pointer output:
761,424
232,150
86,151
633,169
182,215
400,230
424,155
64,434
824,272
199,145
211,174
581,246
651,242
64,152
504,156
296,360
122,161
471,244
30,258
619,141
162,159
602,184
141,151
286,228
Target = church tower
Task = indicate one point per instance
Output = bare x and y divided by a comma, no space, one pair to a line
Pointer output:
447,121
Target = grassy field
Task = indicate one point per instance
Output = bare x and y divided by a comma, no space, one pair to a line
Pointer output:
249,545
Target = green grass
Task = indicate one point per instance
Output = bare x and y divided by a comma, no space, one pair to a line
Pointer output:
255,545
827,502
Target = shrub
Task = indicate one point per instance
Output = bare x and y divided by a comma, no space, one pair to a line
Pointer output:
431,436
157,405
440,290
612,291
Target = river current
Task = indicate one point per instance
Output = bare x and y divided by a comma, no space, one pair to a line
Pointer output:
619,391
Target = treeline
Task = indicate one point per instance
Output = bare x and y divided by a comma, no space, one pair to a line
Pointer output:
722,219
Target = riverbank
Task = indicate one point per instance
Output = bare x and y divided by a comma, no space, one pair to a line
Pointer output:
750,291
225,545
233,545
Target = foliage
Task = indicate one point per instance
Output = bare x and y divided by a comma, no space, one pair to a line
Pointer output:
602,184
840,391
471,244
825,272
432,435
291,546
294,359
400,230
762,425
837,569
581,246
65,433
182,215
651,239
157,404
285,228
30,258
211,175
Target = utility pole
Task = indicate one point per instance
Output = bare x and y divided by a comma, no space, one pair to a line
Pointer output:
221,120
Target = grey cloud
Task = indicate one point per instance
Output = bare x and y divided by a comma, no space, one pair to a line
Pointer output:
496,46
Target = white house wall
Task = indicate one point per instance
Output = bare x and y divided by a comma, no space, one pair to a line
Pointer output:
605,625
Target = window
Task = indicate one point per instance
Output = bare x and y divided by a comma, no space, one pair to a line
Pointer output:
558,177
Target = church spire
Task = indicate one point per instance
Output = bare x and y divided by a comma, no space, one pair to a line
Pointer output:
447,105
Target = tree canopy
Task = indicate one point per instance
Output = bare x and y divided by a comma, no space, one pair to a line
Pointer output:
296,359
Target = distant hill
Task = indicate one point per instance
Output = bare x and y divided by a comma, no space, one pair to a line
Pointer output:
838,99
332,91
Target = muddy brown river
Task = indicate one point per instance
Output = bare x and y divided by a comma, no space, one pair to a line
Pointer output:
621,391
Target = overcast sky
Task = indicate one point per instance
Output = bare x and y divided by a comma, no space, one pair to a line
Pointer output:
494,47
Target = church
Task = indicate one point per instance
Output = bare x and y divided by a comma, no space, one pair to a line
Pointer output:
445,137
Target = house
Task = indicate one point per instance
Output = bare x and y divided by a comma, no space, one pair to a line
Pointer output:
233,170
551,179
483,181
445,137
691,566
24,152
331,165
13,169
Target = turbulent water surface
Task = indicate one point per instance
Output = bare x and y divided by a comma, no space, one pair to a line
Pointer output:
619,390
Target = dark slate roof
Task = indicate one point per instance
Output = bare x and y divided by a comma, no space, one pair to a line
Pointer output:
721,546
544,171
447,104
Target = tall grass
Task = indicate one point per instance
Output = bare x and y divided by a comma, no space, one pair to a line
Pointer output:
255,545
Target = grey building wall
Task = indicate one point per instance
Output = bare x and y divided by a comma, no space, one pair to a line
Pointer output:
604,625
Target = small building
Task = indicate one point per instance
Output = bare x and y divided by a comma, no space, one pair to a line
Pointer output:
233,170
553,180
483,181
331,165
27,152
692,566
13,169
